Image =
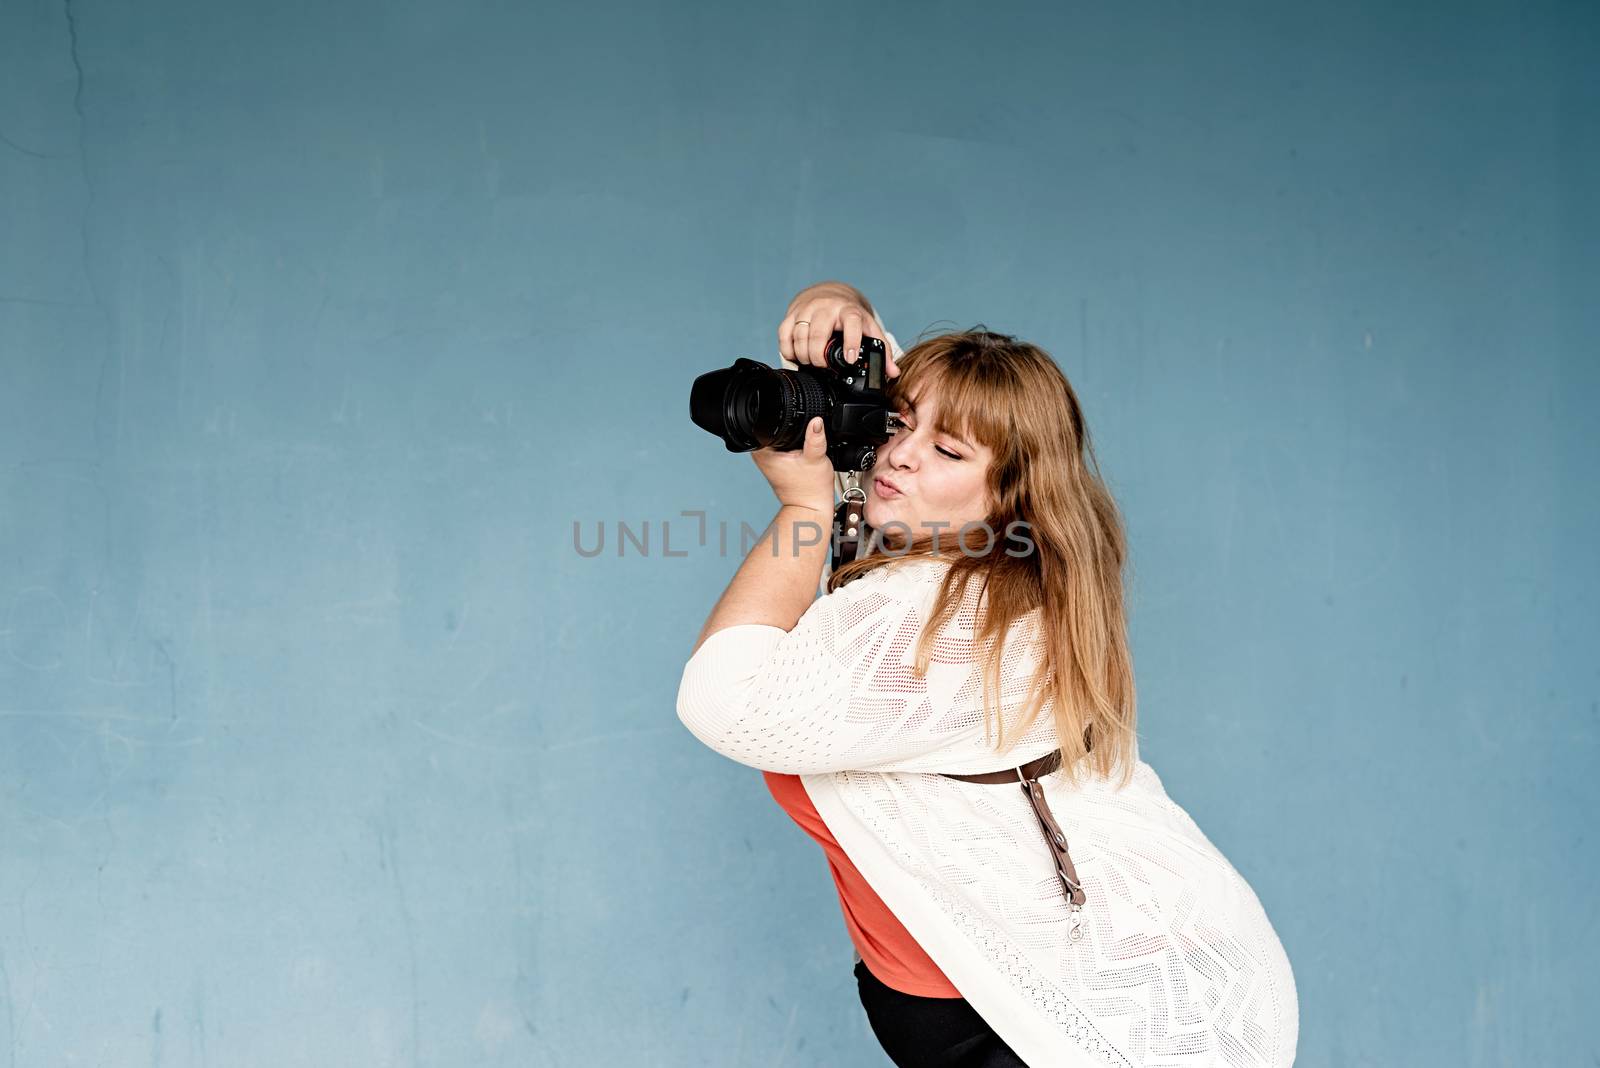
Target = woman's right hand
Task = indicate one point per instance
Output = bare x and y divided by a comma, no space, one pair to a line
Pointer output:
815,314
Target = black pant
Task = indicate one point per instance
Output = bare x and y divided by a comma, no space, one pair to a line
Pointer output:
918,1032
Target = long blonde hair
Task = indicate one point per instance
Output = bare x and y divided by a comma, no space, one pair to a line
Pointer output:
1010,396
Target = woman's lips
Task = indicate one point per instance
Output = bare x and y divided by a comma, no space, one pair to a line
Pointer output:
885,490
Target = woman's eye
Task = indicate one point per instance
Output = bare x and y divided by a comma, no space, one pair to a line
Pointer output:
909,429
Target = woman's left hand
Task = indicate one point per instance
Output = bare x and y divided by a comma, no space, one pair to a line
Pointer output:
801,477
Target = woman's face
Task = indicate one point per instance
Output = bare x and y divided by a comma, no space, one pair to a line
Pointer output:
940,478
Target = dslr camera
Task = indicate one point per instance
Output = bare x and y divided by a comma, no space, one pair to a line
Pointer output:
753,406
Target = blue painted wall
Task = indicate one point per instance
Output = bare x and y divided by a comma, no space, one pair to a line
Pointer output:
320,324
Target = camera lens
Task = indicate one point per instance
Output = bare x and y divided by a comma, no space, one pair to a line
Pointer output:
752,406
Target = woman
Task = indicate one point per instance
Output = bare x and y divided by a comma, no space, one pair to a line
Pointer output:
1082,918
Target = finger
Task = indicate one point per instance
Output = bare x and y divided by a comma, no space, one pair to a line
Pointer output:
891,368
816,440
799,340
785,330
852,335
822,329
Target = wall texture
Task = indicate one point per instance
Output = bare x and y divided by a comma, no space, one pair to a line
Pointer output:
321,324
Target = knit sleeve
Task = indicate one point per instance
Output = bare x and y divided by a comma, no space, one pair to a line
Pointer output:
894,346
836,693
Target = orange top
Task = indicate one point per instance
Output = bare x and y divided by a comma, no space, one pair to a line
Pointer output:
887,948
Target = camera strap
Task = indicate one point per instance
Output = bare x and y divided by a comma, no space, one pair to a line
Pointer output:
1028,775
850,523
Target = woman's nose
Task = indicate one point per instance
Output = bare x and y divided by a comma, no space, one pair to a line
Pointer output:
898,452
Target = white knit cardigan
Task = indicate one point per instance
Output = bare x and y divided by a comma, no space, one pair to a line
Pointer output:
1178,965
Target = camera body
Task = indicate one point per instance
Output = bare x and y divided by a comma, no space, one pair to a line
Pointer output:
753,406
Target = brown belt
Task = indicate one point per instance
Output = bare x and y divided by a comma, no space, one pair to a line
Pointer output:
1028,775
